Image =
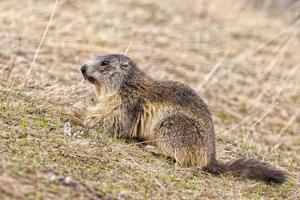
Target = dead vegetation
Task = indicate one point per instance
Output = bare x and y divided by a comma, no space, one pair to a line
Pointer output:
243,62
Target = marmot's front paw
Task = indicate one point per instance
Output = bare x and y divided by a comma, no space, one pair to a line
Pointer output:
92,121
78,113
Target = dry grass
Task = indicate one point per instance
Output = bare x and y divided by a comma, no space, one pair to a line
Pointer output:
244,62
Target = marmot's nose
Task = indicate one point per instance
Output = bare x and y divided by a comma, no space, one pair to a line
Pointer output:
83,69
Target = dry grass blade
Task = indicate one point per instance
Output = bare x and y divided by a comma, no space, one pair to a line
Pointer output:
128,48
41,43
264,115
12,65
289,123
212,72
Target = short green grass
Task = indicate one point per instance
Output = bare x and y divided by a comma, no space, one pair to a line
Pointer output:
34,148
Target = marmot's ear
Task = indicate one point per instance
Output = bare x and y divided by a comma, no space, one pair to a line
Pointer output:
124,64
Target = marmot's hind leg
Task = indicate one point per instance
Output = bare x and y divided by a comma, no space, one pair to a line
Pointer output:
181,138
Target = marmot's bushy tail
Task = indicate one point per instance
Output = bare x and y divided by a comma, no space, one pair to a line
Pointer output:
249,168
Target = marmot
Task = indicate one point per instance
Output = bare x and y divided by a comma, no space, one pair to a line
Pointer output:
168,114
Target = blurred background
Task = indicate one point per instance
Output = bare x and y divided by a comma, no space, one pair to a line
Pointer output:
241,56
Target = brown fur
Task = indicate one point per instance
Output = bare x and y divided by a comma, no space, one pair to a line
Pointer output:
168,114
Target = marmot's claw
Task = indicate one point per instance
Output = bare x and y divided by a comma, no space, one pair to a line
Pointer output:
151,149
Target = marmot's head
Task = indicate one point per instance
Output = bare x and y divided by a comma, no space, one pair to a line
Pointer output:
109,71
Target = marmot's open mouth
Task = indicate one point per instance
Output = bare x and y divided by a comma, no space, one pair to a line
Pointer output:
91,79
88,78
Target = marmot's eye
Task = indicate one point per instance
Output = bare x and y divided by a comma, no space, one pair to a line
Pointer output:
124,64
104,63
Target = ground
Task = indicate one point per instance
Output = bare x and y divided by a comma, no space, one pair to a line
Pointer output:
242,60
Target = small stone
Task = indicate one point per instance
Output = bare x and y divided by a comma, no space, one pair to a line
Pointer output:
121,196
67,180
66,129
51,177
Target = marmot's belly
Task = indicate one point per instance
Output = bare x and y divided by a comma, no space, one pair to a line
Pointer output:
151,115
